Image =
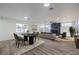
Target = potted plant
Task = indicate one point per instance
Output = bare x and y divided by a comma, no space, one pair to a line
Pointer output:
72,31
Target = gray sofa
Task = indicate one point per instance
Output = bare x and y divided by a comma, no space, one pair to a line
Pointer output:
48,36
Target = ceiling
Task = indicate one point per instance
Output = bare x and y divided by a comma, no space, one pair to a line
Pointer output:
38,13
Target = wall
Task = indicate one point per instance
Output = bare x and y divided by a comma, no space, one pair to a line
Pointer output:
7,28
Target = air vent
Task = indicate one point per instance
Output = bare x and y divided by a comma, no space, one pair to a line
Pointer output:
51,8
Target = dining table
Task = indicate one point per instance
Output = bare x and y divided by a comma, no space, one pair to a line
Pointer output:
29,37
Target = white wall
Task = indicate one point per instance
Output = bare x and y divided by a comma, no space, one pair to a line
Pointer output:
7,28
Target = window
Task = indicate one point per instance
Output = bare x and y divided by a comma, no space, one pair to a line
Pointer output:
76,25
21,27
44,28
66,24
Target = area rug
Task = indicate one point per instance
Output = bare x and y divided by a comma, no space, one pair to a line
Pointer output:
9,47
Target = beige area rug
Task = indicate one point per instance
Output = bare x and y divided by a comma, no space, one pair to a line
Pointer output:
64,39
9,48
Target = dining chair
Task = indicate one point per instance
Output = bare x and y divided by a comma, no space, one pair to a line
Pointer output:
37,35
18,40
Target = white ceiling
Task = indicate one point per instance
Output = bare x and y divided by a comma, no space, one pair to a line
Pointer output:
38,13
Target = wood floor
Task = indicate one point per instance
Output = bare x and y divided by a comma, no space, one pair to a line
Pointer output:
54,48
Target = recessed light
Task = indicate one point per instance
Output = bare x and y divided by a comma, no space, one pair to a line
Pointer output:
46,4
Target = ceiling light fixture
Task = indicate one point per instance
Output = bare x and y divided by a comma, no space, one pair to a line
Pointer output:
46,4
26,17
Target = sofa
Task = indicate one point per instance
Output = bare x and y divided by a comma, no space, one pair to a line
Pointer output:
77,41
48,36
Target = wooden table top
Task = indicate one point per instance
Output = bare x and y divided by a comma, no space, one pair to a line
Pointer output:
30,34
